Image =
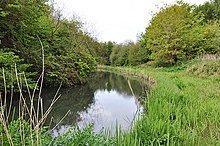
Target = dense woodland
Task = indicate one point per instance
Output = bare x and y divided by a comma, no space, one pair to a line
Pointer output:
70,53
175,34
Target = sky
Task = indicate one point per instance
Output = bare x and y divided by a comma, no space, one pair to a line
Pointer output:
115,20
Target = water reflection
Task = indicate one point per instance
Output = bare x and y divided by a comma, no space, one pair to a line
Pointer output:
105,99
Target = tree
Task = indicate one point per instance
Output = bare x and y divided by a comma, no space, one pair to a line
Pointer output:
9,62
109,46
69,52
115,55
128,53
137,54
168,34
210,9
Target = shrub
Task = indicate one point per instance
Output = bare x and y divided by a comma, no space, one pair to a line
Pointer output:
205,68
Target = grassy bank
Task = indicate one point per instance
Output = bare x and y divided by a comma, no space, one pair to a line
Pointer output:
183,108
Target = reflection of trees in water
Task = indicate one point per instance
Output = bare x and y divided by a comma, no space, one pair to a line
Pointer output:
81,98
110,81
75,99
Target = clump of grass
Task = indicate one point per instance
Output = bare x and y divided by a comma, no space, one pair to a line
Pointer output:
205,68
181,66
76,136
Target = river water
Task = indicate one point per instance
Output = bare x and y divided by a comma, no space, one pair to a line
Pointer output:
106,99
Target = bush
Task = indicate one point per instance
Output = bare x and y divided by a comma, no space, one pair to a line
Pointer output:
205,68
8,62
21,134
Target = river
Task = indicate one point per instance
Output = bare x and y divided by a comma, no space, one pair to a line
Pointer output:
106,99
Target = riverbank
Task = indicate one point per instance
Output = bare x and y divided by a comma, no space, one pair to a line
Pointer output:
183,108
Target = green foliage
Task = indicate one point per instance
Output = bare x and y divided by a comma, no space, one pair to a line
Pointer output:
210,9
137,55
128,54
178,33
68,60
81,137
60,69
164,35
8,61
202,39
198,67
15,128
109,47
181,66
212,33
70,53
205,68
114,55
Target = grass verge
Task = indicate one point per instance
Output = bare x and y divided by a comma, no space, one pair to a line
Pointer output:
183,109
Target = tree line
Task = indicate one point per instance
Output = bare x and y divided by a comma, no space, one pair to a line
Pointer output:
175,34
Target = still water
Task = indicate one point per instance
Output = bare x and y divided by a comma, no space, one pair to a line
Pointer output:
105,100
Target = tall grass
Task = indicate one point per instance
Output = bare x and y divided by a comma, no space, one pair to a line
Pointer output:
181,110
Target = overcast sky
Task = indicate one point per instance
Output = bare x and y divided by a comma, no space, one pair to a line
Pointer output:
115,20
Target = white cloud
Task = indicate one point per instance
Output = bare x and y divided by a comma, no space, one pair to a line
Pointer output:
116,20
